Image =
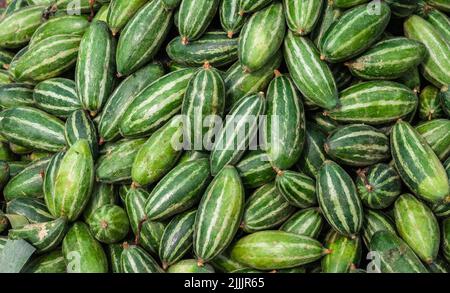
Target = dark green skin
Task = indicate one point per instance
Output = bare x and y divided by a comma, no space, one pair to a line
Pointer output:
144,262
345,253
313,154
306,222
6,153
214,47
78,126
114,254
443,209
411,79
102,194
429,103
52,262
255,169
436,133
395,255
16,94
109,224
33,209
120,12
347,3
82,252
403,8
296,188
5,57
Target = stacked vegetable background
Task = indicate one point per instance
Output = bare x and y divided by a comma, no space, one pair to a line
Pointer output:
354,175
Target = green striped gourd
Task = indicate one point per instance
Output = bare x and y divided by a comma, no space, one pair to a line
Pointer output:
434,67
43,236
261,37
135,260
214,47
239,129
296,188
52,262
402,8
95,70
16,94
445,100
285,124
56,96
437,134
74,181
6,153
224,263
177,238
219,215
311,75
323,122
375,221
440,4
250,6
265,209
378,185
329,15
346,3
151,232
33,209
28,183
14,5
109,224
47,58
342,76
80,126
5,58
338,199
4,77
158,154
12,64
313,154
121,11
171,4
446,239
82,6
356,30
122,97
394,255
307,222
239,84
358,145
374,103
255,169
15,167
268,250
388,59
142,37
417,164
302,15
19,26
179,190
429,103
102,194
192,25
345,253
438,19
156,104
230,18
418,226
48,186
190,266
115,165
114,255
83,254
62,25
439,266
204,98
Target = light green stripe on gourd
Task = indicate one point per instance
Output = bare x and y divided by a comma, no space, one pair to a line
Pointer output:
429,103
302,15
345,253
35,210
109,224
437,134
102,194
74,181
52,262
307,222
95,70
80,126
311,75
16,94
159,153
437,61
439,20
255,169
440,4
48,186
230,18
250,6
418,226
194,16
142,37
123,96
338,199
121,11
261,37
219,215
375,221
265,209
313,154
285,124
296,188
417,164
329,15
